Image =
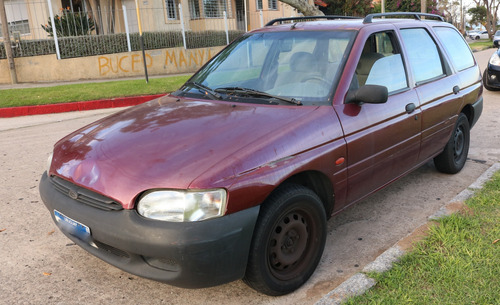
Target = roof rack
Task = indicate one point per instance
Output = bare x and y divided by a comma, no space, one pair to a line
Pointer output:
330,17
369,18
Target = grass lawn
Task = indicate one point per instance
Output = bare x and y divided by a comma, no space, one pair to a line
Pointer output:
458,263
88,91
481,45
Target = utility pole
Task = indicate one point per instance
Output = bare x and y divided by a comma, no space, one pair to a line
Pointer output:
462,26
423,6
6,43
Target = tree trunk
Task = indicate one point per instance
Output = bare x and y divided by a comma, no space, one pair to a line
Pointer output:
304,7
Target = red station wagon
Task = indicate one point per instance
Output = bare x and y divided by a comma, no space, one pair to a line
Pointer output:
234,175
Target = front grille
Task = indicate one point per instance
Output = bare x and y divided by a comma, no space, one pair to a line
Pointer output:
84,196
111,250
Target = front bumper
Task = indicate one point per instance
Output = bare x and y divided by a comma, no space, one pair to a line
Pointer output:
190,255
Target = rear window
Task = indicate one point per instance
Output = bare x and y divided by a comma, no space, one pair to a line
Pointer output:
460,54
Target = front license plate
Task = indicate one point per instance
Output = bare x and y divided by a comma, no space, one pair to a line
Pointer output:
72,226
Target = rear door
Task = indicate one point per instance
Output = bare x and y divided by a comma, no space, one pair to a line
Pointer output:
438,89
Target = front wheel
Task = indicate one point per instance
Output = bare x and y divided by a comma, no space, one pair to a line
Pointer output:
288,241
454,155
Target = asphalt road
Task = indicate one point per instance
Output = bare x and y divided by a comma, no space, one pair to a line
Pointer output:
39,265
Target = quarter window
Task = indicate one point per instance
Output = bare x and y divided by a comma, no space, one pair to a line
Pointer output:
460,54
423,55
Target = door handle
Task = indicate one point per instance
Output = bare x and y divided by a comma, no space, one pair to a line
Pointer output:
410,108
456,89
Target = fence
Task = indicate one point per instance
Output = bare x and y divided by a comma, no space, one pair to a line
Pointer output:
83,29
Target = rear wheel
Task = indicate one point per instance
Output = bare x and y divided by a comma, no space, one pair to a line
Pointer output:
288,241
454,155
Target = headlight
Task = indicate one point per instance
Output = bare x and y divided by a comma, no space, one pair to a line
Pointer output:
183,206
49,162
495,59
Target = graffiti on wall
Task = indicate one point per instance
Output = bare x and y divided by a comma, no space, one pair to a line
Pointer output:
172,60
125,63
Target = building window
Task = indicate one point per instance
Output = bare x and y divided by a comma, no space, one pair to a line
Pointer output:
259,4
171,7
272,4
194,9
215,8
17,17
20,26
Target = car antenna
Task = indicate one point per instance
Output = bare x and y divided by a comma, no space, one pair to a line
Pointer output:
294,25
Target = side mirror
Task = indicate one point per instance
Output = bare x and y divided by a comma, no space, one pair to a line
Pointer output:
369,94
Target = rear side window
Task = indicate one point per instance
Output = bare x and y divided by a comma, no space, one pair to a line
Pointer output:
423,55
455,46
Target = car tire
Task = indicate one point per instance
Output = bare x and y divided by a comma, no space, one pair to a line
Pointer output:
477,37
454,155
288,241
485,82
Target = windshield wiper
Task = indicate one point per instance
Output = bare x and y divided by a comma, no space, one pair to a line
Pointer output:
252,92
205,90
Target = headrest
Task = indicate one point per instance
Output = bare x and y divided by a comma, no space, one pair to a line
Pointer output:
303,62
366,62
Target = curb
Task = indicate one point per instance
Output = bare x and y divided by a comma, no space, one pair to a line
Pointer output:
11,112
359,283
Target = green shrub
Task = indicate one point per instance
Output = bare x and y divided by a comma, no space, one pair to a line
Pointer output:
90,45
70,24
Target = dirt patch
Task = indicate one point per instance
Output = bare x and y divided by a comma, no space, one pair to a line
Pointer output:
406,244
455,207
321,288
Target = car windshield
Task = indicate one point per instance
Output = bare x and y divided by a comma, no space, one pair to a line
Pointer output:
497,33
296,67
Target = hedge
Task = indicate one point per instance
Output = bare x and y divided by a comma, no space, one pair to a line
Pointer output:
81,46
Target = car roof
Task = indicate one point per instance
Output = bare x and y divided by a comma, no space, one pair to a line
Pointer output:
347,23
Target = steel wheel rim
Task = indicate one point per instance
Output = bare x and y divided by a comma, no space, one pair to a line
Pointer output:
289,244
459,143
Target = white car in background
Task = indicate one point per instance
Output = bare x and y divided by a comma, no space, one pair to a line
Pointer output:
472,33
479,35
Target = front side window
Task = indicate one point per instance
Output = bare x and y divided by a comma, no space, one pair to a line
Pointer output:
460,54
423,55
381,63
171,8
301,65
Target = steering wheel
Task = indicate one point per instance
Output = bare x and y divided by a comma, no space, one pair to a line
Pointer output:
316,78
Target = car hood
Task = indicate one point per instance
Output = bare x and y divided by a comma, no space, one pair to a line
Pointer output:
169,142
